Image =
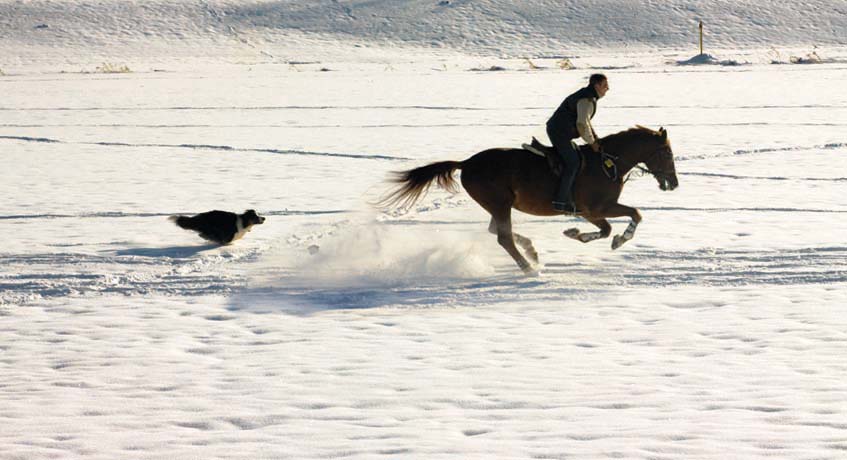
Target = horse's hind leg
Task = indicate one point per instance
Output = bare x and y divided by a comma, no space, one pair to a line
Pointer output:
524,242
498,202
502,221
601,223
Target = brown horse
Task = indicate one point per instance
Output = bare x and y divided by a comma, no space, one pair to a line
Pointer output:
501,179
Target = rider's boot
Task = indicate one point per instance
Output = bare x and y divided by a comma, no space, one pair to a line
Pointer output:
564,199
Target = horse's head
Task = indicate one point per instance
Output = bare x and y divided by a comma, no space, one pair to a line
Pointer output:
643,145
659,161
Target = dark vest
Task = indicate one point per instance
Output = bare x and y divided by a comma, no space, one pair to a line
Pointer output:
564,118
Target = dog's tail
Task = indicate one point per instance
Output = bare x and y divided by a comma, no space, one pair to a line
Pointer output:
182,221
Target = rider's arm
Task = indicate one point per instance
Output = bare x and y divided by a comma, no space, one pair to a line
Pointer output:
583,120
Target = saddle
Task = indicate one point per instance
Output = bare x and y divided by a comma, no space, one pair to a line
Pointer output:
607,161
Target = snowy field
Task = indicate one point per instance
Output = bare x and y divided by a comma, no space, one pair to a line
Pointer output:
718,332
719,328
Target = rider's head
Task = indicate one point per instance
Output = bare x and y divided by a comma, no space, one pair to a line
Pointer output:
600,84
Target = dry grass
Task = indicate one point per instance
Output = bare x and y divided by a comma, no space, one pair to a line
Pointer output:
108,67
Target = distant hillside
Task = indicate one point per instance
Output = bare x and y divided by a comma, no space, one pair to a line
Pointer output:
65,30
545,25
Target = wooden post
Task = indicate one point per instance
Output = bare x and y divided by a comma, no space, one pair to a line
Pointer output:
701,37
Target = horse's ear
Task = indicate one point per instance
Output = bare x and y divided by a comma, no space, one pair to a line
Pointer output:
663,133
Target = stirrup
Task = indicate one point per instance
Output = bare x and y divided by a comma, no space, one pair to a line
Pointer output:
565,206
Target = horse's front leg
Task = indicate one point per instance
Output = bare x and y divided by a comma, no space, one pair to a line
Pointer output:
600,222
619,210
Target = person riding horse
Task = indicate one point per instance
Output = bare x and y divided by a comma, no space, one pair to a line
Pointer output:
572,120
502,179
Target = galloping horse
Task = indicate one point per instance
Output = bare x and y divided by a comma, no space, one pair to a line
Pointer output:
501,179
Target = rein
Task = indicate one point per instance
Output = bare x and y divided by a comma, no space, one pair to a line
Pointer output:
642,170
641,173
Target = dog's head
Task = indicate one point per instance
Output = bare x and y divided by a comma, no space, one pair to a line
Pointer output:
250,218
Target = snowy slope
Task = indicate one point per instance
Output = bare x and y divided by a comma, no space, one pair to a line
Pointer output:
526,26
62,32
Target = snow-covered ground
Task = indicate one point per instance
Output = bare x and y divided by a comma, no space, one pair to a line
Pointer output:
719,330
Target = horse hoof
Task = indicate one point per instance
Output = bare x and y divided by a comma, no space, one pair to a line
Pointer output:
572,233
617,242
531,273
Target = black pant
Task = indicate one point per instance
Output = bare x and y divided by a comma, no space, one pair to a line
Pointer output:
567,152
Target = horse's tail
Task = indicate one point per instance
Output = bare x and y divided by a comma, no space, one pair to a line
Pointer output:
414,183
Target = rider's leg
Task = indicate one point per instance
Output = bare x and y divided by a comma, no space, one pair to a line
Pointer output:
570,157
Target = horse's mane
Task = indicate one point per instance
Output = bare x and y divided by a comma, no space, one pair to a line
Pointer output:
638,130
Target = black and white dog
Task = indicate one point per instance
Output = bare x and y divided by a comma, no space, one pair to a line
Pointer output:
221,227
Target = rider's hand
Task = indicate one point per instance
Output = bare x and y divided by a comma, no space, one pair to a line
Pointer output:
595,146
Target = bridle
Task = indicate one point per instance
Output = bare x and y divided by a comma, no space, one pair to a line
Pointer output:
661,175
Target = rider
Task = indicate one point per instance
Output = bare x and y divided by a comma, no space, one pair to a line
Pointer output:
571,120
